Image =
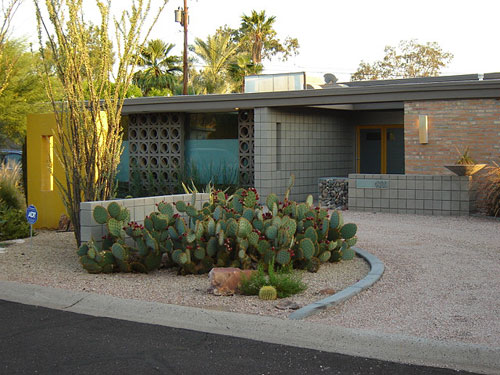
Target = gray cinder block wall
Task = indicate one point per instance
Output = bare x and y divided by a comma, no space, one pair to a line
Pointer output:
310,144
139,208
412,194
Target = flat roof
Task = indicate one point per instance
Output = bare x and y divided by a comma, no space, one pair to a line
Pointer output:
358,95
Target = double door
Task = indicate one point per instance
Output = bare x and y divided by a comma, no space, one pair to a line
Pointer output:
380,149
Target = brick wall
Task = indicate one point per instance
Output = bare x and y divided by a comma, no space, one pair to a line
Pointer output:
309,144
474,123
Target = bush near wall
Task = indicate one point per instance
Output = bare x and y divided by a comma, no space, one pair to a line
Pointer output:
233,231
13,222
489,190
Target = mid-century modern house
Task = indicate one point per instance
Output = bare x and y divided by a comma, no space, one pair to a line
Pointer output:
391,138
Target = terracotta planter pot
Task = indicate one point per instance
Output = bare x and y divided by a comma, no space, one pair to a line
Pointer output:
465,169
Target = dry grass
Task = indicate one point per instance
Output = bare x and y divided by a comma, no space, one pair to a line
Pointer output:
11,192
489,190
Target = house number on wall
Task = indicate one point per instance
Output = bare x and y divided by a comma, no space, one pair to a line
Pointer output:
372,184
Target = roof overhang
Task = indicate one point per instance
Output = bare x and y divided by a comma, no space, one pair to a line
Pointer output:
388,96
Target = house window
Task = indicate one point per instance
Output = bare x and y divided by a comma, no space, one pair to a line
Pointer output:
380,149
47,165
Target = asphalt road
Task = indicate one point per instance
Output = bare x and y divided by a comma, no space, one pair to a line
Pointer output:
37,340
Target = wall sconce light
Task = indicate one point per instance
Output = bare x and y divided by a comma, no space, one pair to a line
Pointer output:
423,129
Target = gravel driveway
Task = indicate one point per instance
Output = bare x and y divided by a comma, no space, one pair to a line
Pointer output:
441,281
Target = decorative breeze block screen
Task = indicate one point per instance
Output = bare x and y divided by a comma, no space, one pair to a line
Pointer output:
156,144
246,142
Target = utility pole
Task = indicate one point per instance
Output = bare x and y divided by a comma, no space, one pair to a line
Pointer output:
185,68
181,16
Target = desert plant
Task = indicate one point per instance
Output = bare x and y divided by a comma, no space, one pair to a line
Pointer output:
236,231
13,223
268,293
465,158
285,281
95,79
11,193
489,190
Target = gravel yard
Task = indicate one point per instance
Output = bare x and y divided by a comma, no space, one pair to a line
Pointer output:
52,261
442,278
441,281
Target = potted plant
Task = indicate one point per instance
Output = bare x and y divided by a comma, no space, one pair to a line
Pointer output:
465,165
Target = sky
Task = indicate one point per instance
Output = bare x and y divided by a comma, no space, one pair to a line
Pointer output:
335,36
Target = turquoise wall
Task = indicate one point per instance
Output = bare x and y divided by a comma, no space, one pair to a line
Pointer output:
123,167
214,159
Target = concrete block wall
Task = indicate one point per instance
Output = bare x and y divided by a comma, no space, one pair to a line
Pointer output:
412,194
310,145
139,208
452,123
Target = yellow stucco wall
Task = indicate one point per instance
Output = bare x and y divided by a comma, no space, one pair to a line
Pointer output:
42,190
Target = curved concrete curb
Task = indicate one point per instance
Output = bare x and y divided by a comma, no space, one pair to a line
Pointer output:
304,334
376,271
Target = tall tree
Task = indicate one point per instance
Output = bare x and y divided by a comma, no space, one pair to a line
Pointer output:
216,53
409,59
7,11
159,67
241,67
259,38
25,93
88,151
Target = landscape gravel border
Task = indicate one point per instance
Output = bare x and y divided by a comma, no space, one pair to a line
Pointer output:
376,271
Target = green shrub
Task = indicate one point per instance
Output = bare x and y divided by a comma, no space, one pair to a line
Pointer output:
286,281
13,224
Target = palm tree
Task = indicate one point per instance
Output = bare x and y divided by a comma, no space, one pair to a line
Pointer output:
257,29
259,38
216,53
242,67
159,67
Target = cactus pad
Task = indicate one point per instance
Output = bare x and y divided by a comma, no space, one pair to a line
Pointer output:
114,210
181,206
272,232
348,254
325,256
348,231
283,257
351,241
307,247
263,246
119,252
271,200
311,234
166,209
115,227
244,227
199,253
100,215
336,220
212,246
191,211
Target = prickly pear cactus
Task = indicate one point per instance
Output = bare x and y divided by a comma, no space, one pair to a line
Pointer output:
229,231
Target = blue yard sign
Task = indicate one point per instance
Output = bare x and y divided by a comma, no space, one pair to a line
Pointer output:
31,217
31,214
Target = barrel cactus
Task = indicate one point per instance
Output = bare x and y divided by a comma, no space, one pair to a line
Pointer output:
268,293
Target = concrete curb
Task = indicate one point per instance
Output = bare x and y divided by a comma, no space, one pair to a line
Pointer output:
369,344
376,271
